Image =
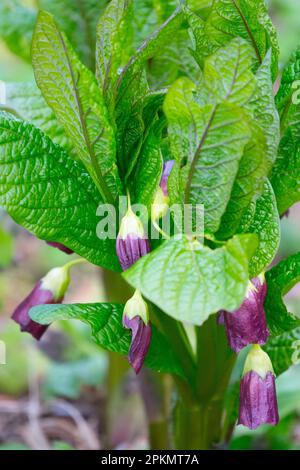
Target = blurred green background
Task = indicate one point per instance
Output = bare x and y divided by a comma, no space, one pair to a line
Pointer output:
53,394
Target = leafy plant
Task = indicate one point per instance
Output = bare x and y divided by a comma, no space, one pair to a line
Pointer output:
177,107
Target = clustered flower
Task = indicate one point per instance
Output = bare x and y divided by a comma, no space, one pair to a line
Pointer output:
247,326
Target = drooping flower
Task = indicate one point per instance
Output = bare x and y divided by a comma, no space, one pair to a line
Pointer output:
136,318
132,242
161,201
247,324
61,247
49,290
258,401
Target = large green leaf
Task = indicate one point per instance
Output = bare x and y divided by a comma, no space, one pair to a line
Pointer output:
289,109
105,321
71,91
286,172
285,176
248,184
284,350
228,75
210,140
50,194
16,26
190,282
78,19
148,169
280,280
263,219
27,102
114,43
228,19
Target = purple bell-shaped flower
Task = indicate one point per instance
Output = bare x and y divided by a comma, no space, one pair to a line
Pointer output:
49,290
258,402
160,205
136,318
132,242
247,324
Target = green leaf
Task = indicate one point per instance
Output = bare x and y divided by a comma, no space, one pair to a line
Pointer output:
78,19
280,280
289,109
249,182
105,321
27,102
49,194
212,138
285,177
190,282
264,109
286,172
6,248
148,169
263,220
16,26
228,19
227,74
114,43
284,350
71,91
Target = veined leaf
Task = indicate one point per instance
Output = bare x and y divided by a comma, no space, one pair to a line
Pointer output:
189,282
78,19
71,91
249,182
49,194
280,280
105,321
264,110
227,74
286,172
285,177
28,103
264,221
289,109
211,139
284,350
114,42
228,19
16,26
148,169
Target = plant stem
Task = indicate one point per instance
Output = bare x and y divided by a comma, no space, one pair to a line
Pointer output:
199,425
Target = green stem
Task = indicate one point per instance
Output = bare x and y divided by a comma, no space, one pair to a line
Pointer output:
200,425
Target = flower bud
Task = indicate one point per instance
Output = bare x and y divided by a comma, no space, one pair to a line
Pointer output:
132,242
258,402
61,247
247,324
49,290
160,205
136,318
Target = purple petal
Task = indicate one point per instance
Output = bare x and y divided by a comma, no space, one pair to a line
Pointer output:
167,168
38,296
140,342
248,325
61,247
258,402
131,249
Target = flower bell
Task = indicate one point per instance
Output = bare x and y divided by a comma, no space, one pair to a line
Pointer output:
49,290
136,318
258,402
61,247
132,242
247,325
160,205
